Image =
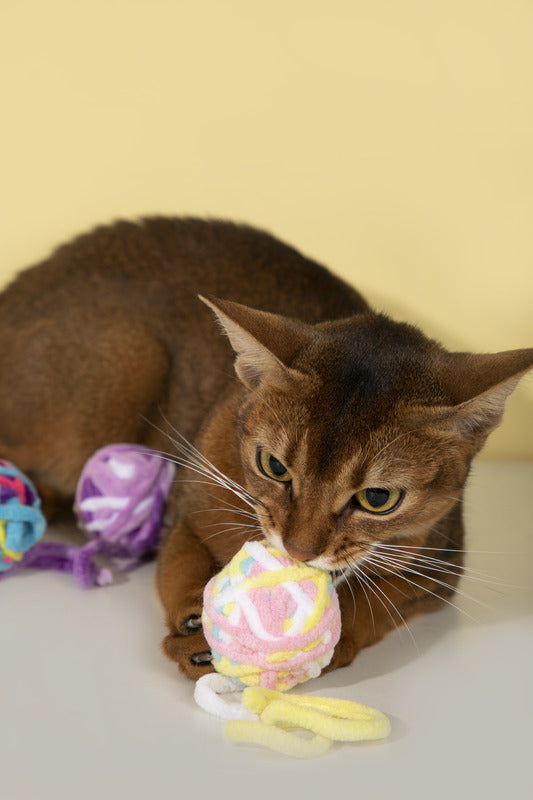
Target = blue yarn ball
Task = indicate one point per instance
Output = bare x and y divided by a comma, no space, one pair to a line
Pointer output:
22,522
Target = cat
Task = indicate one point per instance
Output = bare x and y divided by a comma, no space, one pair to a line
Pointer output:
335,433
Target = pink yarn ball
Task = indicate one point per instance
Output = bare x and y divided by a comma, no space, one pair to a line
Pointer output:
270,620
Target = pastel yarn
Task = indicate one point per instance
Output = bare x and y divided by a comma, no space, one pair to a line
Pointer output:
277,720
21,521
329,719
270,620
273,622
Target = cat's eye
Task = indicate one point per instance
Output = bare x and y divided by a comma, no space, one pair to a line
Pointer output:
377,501
272,467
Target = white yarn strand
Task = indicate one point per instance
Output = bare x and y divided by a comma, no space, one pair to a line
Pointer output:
208,695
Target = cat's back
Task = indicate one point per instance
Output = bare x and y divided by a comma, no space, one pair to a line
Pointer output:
161,263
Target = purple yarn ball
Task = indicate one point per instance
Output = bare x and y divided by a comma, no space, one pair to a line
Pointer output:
121,498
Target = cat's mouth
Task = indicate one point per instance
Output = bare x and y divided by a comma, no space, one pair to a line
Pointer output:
319,562
340,572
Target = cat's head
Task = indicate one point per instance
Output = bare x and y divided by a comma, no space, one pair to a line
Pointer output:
357,431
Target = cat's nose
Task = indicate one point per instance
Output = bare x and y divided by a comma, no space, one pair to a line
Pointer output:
298,553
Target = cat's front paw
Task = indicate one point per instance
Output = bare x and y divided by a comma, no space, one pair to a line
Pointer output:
190,652
187,646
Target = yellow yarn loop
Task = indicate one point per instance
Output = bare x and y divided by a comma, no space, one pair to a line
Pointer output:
329,719
275,739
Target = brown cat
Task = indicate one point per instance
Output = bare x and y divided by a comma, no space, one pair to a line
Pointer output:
345,439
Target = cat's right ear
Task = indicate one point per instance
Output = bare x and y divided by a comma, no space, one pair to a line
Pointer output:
264,343
479,385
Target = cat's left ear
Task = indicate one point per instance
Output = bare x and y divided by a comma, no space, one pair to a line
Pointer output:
264,343
479,385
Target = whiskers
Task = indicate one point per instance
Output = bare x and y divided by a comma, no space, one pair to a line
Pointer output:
249,533
371,585
252,529
392,577
185,455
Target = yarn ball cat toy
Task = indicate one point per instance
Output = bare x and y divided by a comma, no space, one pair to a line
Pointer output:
270,620
120,504
21,521
273,622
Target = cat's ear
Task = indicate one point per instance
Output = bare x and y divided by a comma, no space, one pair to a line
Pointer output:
264,343
479,385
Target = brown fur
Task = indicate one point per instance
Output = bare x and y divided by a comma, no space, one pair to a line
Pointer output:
108,342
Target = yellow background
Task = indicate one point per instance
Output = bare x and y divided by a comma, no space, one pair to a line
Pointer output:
391,140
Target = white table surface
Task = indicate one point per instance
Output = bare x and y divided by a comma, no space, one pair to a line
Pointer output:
89,708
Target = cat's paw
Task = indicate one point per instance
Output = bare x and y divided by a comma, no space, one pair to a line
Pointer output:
191,653
186,644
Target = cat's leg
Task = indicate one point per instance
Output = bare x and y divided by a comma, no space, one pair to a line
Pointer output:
412,584
185,566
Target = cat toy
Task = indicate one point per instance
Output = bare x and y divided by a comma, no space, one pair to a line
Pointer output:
120,504
21,521
273,622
